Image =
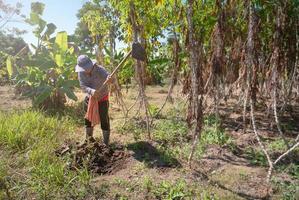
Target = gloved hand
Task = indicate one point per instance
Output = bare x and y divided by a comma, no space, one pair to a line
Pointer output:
96,94
109,79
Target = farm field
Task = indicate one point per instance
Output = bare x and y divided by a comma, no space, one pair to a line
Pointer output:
153,100
227,165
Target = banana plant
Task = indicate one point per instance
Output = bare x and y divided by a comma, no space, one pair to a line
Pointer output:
49,71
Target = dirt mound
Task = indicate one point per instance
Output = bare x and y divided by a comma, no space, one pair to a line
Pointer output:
96,156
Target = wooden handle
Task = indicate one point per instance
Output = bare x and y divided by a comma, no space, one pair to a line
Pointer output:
118,66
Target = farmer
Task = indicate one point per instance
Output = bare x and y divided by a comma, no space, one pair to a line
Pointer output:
91,77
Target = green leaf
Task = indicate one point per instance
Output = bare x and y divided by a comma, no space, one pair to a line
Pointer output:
33,46
9,66
69,93
43,94
37,7
40,28
107,51
50,29
34,19
61,41
59,60
71,83
158,61
71,50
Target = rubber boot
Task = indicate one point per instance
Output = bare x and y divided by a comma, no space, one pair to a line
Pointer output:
89,134
106,136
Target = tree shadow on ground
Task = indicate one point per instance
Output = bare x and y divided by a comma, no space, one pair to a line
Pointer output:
151,156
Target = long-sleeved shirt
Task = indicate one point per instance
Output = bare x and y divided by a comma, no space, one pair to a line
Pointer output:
90,83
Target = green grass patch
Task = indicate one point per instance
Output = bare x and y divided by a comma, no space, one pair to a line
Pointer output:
287,190
30,139
171,134
256,156
212,134
176,190
170,131
22,130
134,126
277,145
291,169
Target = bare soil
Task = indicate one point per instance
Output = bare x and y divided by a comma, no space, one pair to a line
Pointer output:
11,101
95,156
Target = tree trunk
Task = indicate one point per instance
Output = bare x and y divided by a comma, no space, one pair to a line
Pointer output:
195,103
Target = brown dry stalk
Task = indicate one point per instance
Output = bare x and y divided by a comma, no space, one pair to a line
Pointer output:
176,59
277,119
139,67
245,111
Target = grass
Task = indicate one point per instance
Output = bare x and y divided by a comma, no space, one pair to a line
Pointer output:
164,190
32,138
134,126
287,190
277,146
171,134
175,190
256,156
22,130
212,134
170,131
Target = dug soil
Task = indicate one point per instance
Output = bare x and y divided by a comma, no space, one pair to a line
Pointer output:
95,157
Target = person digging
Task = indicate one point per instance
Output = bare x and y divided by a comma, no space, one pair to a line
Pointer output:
93,79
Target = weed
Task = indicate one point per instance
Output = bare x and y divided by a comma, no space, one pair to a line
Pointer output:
170,131
134,126
169,156
277,145
178,109
289,191
153,110
291,169
120,197
177,190
147,184
288,126
256,156
121,182
213,132
243,175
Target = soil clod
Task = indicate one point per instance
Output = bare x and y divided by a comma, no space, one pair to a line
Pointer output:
96,157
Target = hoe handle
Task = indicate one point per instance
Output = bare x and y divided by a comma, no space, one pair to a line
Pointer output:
115,70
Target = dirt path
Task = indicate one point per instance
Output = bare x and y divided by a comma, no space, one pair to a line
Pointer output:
11,101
